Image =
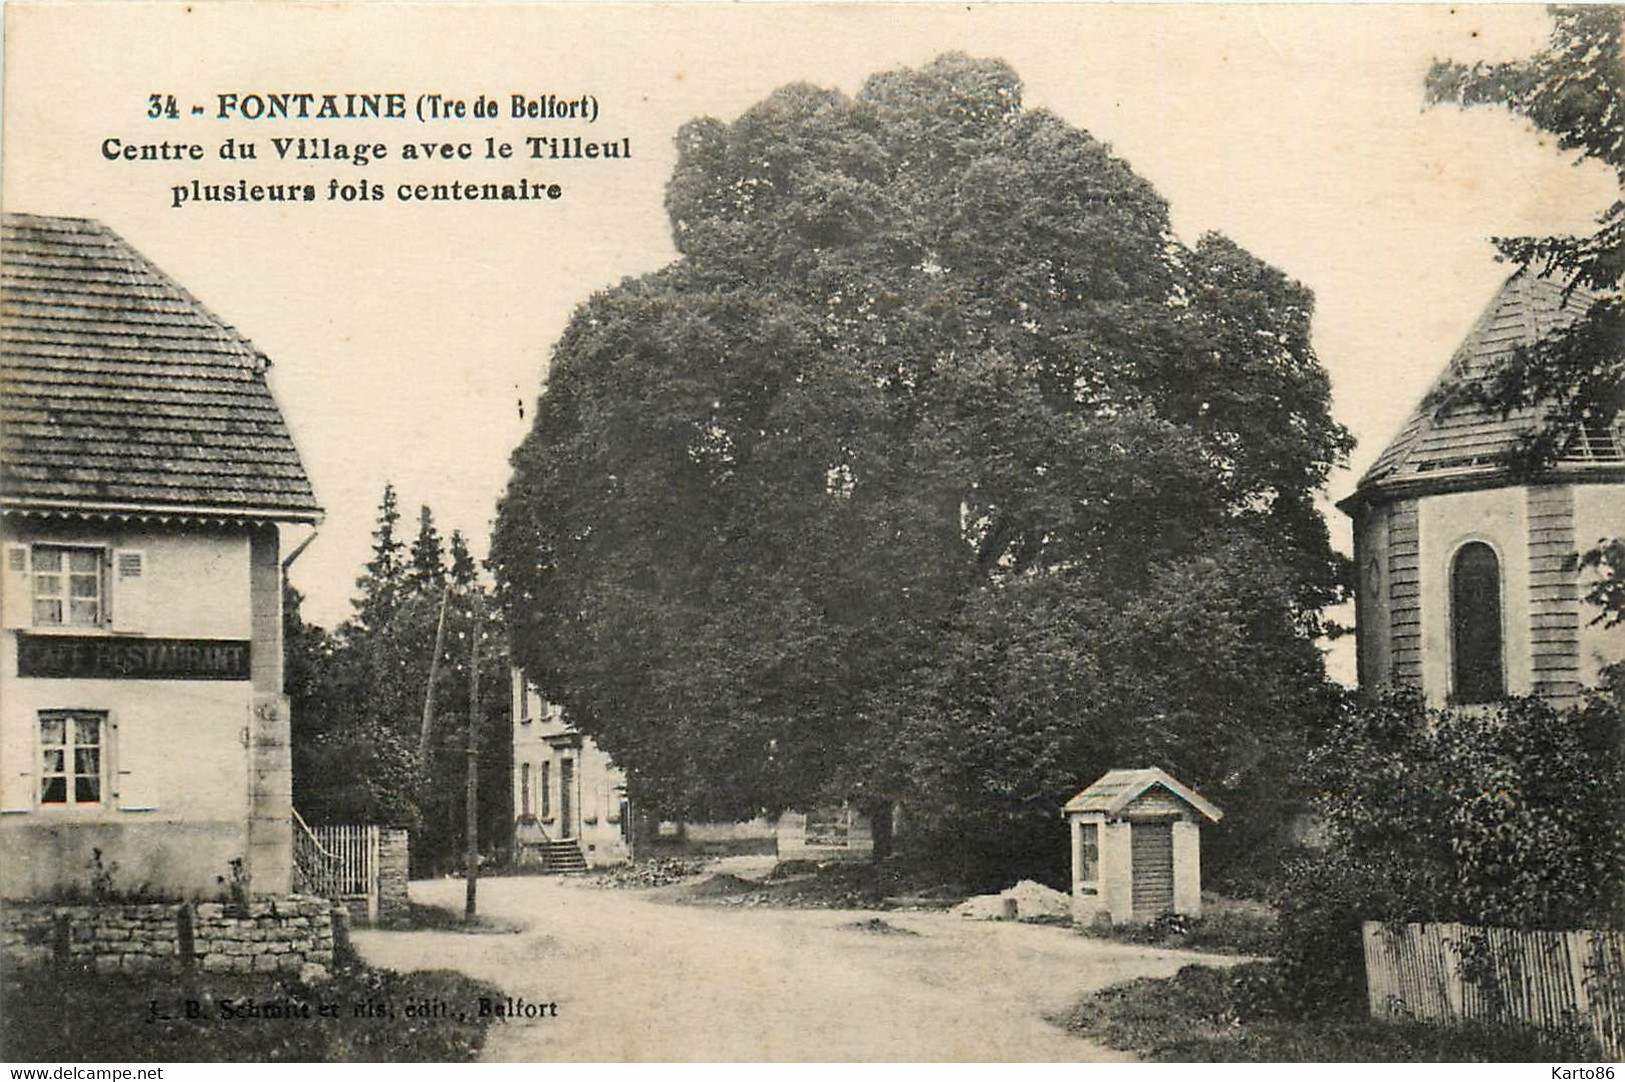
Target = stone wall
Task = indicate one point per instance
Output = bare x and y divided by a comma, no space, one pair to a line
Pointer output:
26,935
291,935
394,861
114,937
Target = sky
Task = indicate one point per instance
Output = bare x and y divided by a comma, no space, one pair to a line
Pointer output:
410,340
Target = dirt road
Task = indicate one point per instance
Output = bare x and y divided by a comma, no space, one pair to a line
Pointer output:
638,979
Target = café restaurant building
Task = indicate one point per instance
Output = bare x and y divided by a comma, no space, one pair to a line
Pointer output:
150,501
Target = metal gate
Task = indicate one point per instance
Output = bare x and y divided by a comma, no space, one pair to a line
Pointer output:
338,862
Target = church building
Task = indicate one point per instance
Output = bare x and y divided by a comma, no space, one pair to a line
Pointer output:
1469,582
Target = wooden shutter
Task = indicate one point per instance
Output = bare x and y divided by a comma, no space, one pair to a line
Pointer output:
17,786
18,780
1151,846
17,591
129,600
133,789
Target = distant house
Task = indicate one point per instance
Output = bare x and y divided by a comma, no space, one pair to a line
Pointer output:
147,487
570,804
1468,587
572,810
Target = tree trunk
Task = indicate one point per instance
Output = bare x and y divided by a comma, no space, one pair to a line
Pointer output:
879,813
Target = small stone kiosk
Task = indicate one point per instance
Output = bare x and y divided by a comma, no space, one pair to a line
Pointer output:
1136,847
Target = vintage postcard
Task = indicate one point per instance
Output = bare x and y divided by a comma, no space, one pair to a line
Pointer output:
811,532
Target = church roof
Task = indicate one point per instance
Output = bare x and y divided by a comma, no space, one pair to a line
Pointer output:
1456,440
121,393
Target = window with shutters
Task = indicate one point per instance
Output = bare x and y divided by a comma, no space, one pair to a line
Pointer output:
73,757
70,586
1478,668
524,790
545,790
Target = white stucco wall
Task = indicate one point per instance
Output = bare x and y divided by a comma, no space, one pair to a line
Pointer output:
177,755
1499,518
1117,871
1088,899
596,786
1111,892
1188,868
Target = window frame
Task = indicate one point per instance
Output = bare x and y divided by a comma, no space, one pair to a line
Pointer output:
1454,629
1088,842
66,597
70,747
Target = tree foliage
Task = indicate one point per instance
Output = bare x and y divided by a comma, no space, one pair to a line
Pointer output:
357,698
1510,815
385,575
1574,90
925,471
427,571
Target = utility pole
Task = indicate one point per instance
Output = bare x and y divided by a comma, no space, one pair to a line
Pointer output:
428,696
471,851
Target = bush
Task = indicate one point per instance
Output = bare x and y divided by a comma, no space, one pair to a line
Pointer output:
1225,931
1322,902
1508,815
1246,1014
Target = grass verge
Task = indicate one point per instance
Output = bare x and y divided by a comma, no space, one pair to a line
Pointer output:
361,1015
435,918
1225,931
1208,1015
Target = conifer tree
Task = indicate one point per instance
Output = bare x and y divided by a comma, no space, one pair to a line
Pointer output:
464,571
428,567
381,585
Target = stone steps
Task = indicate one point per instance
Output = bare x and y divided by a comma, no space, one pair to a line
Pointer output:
563,858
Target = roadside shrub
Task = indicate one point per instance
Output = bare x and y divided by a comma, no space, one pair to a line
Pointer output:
1322,902
1224,931
1208,1015
1512,815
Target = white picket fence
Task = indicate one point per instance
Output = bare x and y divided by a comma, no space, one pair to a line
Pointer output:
1457,972
338,862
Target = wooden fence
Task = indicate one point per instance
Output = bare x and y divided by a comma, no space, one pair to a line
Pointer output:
1458,972
338,862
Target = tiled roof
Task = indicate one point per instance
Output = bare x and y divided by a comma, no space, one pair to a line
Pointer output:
119,391
1469,437
1117,789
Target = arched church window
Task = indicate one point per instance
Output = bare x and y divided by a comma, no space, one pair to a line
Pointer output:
1475,625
